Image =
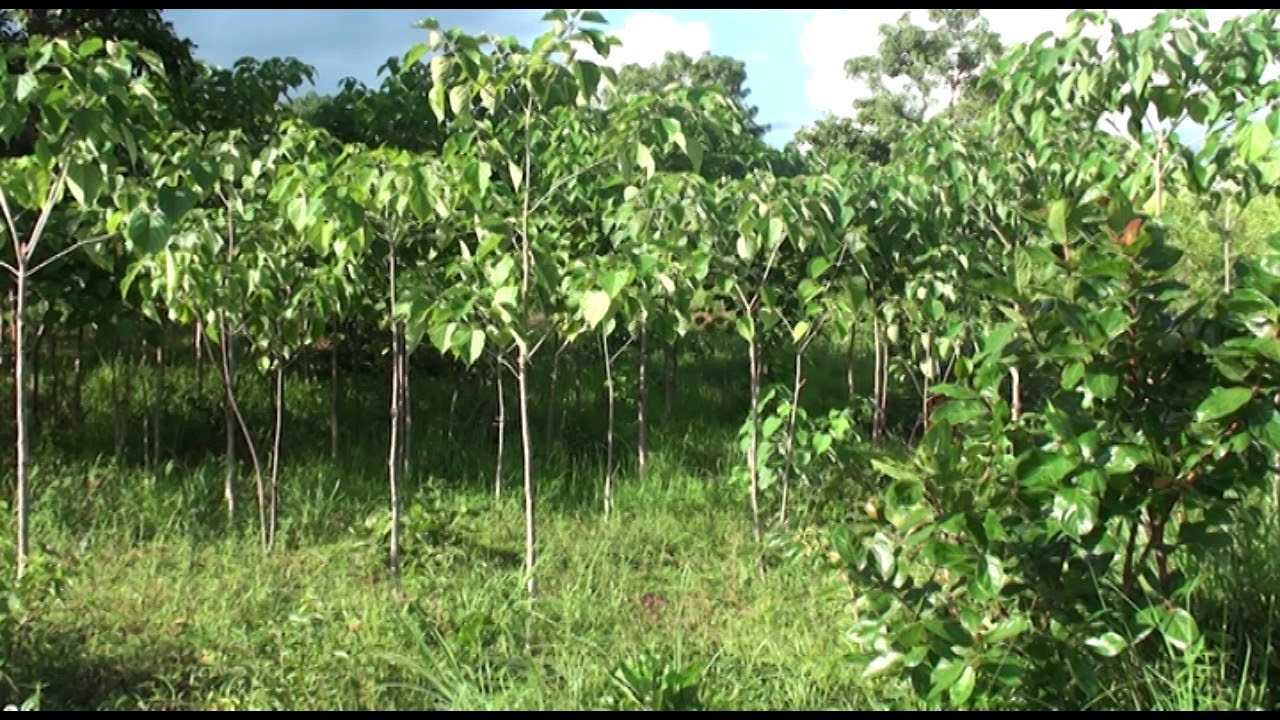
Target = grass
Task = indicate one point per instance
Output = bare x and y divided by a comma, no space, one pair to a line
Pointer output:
143,597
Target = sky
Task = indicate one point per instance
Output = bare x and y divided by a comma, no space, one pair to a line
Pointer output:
794,58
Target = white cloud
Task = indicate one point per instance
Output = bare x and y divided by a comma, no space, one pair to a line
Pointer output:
646,37
833,36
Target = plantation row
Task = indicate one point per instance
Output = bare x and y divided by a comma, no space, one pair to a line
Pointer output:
1084,419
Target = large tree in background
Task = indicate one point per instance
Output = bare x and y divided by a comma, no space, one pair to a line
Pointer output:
679,67
922,62
915,72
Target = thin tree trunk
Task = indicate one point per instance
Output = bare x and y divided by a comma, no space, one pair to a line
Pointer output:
1226,265
228,419
393,452
275,453
526,446
502,430
797,382
850,371
877,419
238,418
406,408
197,341
157,407
642,392
20,401
608,441
1015,392
753,450
149,398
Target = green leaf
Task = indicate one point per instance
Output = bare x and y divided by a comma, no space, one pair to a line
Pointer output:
1254,141
963,689
945,674
148,232
595,305
614,282
459,99
482,172
1222,402
27,85
1075,510
517,174
746,248
1046,469
85,181
1108,644
412,57
644,158
818,266
799,331
1179,628
1058,220
296,212
437,98
476,347
175,203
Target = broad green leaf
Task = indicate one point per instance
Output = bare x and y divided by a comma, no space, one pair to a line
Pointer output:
1108,644
27,84
818,266
963,689
944,675
1222,402
1058,220
459,99
296,212
1075,510
148,231
1179,628
175,203
1046,468
1254,141
799,331
476,347
746,248
595,305
85,180
644,158
412,57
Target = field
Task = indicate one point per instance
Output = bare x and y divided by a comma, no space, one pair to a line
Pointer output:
566,401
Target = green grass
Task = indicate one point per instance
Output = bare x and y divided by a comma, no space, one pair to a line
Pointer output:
143,597
164,617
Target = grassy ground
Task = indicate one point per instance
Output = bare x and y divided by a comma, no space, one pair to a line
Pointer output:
144,598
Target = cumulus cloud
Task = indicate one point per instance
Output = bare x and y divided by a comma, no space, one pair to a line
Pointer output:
831,37
646,37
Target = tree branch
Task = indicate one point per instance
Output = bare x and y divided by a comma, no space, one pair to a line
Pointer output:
67,251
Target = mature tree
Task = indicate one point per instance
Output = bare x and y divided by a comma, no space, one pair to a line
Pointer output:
678,67
917,68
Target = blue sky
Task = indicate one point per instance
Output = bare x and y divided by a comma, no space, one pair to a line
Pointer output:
794,58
